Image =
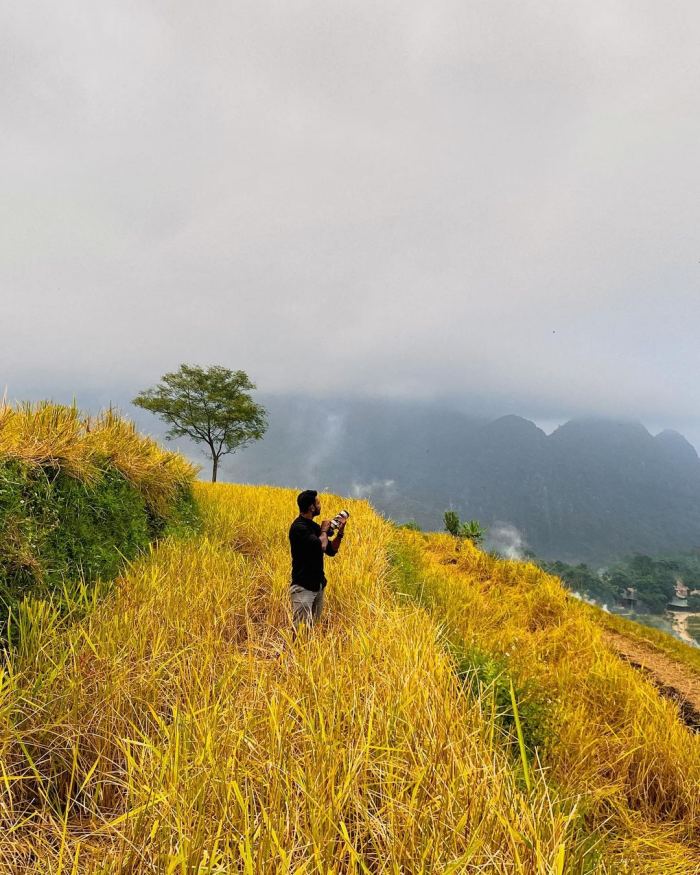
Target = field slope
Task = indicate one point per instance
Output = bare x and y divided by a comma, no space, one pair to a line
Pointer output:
452,713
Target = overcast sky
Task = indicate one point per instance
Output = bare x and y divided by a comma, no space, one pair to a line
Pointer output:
495,199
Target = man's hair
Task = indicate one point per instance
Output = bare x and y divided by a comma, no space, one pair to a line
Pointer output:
305,499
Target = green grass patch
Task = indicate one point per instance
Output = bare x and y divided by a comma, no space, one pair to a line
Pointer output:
55,529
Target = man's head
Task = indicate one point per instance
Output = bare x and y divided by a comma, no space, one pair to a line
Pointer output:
309,502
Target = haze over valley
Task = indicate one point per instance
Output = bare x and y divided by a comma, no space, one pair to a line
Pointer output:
593,490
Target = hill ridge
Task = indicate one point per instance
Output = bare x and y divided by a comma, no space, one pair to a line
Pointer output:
592,493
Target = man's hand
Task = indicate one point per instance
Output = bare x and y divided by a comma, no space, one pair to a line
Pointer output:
325,526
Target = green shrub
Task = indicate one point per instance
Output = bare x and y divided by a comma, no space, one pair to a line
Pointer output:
472,530
452,523
489,677
54,527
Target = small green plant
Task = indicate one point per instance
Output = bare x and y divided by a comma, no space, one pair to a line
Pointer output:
488,677
471,531
452,523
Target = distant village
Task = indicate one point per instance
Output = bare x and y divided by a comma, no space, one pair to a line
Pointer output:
678,609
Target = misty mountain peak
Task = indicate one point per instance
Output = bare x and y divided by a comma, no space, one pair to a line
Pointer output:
674,444
514,426
602,431
594,490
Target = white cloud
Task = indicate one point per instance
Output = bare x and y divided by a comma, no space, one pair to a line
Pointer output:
392,198
506,539
377,488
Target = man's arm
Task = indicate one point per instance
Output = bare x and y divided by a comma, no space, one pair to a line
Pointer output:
334,545
323,537
306,538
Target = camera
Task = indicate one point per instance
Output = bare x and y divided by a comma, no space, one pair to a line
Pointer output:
338,519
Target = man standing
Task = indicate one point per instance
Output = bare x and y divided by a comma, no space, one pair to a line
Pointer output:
309,542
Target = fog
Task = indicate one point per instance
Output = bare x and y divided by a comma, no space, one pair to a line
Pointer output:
493,206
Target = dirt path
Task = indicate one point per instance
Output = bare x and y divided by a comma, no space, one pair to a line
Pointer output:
671,678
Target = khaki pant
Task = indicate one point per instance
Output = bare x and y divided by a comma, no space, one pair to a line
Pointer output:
306,605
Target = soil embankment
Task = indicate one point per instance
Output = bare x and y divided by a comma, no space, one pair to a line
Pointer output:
671,678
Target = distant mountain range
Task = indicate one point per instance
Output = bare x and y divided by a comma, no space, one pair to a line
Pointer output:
593,490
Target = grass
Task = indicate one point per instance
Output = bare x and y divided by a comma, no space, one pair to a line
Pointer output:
694,628
601,732
157,735
667,644
175,728
78,496
56,437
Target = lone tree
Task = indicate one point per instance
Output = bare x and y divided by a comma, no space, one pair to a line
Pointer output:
209,406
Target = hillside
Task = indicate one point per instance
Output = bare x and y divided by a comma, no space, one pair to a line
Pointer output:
78,496
593,490
451,713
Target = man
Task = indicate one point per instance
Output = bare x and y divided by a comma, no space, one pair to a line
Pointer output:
309,543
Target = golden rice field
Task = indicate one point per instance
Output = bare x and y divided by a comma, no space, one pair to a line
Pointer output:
611,741
59,437
177,729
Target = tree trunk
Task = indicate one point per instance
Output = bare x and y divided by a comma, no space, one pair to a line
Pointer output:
214,469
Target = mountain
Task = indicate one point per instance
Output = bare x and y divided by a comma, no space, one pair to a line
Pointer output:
594,490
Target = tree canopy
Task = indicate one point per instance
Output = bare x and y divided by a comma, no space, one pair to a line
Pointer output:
210,406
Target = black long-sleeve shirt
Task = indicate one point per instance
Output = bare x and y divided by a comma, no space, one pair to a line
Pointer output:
307,553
